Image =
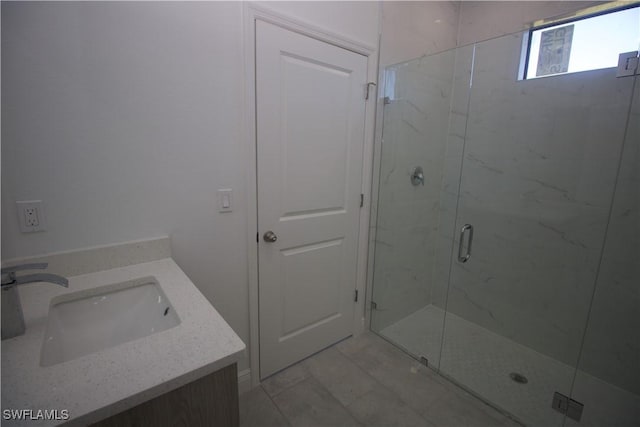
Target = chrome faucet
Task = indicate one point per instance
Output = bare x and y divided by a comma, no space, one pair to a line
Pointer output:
12,317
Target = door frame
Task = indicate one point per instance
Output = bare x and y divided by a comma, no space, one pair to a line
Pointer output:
252,12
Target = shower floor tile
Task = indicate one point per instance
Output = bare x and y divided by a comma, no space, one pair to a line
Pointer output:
482,361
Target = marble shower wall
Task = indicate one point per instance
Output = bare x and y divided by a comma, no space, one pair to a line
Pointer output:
540,165
412,29
414,134
483,20
612,343
539,175
398,271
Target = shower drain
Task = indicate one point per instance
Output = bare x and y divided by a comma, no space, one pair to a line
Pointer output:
519,378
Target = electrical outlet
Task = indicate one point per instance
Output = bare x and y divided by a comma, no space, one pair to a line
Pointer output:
31,216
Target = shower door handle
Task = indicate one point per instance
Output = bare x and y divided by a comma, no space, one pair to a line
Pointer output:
463,230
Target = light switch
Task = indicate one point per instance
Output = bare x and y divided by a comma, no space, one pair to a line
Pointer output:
225,200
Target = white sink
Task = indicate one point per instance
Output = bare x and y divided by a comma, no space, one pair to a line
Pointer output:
88,321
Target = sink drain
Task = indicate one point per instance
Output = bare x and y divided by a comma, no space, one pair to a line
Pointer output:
519,378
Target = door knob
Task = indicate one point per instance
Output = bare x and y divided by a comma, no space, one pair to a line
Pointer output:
270,236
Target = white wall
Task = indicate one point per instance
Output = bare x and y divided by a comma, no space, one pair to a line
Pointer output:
125,118
352,20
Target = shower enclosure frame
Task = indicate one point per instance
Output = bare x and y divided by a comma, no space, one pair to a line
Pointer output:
371,301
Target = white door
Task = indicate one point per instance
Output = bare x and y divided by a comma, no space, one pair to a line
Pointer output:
310,129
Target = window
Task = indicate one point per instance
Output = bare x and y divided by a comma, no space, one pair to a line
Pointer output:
582,44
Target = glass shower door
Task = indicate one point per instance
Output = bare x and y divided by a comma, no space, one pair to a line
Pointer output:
539,168
412,157
608,376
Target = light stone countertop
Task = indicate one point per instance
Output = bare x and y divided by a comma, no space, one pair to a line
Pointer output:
95,386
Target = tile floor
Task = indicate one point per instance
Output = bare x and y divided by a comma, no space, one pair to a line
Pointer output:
363,381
